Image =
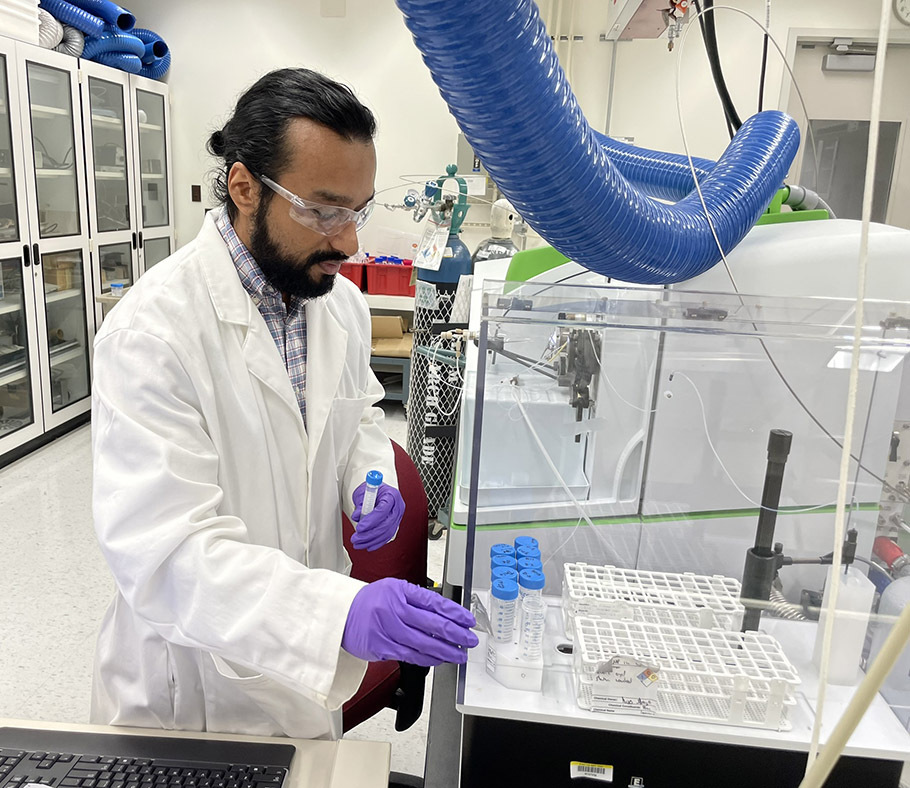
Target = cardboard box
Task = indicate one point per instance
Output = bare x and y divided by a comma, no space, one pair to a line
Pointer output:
391,337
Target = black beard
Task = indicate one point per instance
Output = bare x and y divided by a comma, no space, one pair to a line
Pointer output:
289,275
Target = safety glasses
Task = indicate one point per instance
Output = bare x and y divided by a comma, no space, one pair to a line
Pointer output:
324,219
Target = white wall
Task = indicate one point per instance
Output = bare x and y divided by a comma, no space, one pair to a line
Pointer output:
221,48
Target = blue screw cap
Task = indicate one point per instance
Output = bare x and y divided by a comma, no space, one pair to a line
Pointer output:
529,563
503,560
526,541
504,589
374,478
504,572
533,579
502,549
527,552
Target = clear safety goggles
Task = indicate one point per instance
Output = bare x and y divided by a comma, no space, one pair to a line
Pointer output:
324,219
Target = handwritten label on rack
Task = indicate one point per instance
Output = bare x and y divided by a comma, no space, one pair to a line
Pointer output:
627,682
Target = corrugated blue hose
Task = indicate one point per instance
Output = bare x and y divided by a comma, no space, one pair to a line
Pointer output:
67,13
110,12
125,61
112,42
155,47
158,68
496,68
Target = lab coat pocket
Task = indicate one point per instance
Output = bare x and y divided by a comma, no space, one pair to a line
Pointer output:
344,421
265,707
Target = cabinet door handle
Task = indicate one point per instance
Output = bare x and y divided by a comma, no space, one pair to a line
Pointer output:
26,259
140,239
35,254
134,240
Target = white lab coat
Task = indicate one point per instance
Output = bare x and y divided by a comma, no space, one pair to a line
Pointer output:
218,513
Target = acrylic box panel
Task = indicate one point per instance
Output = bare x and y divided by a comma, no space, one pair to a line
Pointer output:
628,427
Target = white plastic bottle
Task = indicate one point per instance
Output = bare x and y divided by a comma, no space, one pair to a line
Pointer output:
374,482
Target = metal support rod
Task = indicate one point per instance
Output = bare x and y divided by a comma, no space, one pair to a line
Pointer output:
762,562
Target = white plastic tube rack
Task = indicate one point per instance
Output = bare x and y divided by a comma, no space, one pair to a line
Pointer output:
673,599
705,675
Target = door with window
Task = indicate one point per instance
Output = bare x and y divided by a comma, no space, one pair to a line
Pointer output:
839,104
154,200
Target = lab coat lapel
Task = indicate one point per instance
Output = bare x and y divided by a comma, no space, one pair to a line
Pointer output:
326,352
234,305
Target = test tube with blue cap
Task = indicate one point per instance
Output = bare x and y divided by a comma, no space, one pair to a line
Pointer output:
374,482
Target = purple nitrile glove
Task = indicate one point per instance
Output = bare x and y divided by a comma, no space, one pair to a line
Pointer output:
379,526
394,619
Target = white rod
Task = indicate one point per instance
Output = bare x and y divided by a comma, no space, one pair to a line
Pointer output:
864,695
840,515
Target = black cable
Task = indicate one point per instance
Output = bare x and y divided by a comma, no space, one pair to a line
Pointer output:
709,35
761,78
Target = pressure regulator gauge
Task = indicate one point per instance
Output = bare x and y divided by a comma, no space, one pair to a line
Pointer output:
902,10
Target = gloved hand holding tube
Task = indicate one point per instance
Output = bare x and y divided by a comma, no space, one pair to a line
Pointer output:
394,619
376,519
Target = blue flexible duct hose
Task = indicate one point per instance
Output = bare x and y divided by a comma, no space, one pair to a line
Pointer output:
122,60
496,68
154,45
110,12
157,69
113,42
67,13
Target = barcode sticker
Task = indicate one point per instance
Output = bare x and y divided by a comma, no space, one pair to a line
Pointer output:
592,771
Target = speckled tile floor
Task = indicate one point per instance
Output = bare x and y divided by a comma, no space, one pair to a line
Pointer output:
56,588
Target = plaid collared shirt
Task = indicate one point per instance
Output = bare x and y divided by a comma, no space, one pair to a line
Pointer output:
286,325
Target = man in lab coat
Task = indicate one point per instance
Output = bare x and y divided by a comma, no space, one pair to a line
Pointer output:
233,419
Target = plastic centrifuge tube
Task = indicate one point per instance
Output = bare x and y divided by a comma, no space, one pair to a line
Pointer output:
530,582
533,618
503,596
374,482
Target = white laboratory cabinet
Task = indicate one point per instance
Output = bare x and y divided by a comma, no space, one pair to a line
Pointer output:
85,200
127,126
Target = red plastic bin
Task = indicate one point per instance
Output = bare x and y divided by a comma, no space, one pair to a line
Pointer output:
390,279
354,272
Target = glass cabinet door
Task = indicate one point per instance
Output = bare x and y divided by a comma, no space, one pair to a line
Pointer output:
9,227
16,406
53,145
156,249
116,265
152,158
112,193
67,328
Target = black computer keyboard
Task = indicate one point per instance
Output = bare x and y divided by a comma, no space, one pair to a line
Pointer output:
92,760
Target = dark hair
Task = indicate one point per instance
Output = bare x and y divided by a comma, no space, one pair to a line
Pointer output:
256,134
